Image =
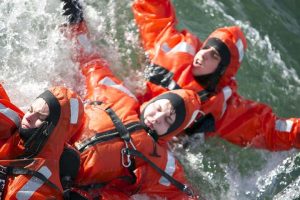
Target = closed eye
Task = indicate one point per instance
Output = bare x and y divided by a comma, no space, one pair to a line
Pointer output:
30,109
216,55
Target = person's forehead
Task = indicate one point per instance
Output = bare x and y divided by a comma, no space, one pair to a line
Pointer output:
40,105
165,103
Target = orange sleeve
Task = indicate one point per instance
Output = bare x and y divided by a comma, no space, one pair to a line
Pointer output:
156,21
3,94
11,147
10,118
152,18
249,123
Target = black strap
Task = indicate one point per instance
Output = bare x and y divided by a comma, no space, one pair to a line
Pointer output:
123,132
203,94
106,136
10,170
174,182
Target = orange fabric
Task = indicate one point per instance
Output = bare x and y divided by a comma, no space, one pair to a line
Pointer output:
11,147
242,122
101,162
10,119
3,94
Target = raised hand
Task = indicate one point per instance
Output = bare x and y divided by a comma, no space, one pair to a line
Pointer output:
73,10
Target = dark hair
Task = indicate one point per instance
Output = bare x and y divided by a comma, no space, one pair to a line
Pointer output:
210,81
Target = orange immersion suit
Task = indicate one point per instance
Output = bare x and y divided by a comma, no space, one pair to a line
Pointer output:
111,125
171,52
32,172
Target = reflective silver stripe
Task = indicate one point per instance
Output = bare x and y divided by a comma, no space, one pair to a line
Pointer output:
240,46
284,125
227,92
180,47
170,169
12,115
172,85
85,43
194,115
33,185
74,107
109,82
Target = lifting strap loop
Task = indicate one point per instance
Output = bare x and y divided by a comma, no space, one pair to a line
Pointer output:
123,132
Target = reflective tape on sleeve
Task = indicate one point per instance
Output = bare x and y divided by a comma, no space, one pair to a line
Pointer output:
170,169
227,92
74,107
180,47
109,82
284,125
240,46
194,115
10,114
33,184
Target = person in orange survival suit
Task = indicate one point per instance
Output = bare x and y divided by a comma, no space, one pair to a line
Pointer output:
115,139
33,172
180,60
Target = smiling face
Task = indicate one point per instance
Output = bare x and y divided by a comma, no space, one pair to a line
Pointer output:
206,61
159,116
36,114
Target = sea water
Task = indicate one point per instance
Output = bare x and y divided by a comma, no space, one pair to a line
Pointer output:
34,56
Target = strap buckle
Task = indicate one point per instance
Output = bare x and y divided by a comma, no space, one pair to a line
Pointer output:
125,154
188,191
126,163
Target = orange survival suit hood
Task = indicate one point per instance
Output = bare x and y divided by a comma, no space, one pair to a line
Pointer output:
186,104
64,120
231,44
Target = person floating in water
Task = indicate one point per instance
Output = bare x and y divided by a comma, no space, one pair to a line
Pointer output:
178,59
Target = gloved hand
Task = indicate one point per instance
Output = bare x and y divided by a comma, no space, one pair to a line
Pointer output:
73,10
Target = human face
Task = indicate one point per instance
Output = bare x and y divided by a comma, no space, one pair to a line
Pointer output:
206,61
159,116
36,114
